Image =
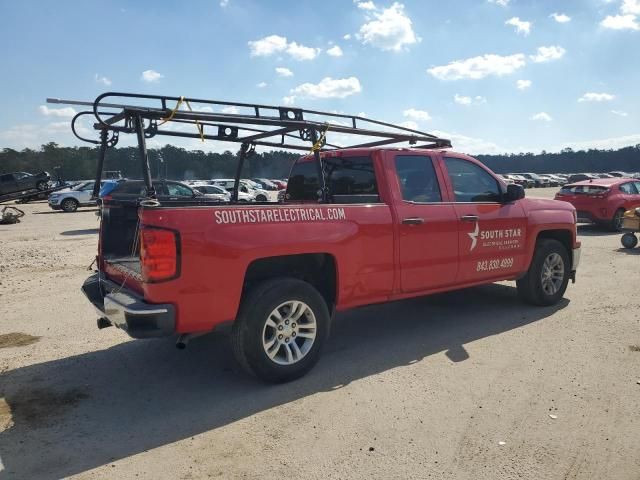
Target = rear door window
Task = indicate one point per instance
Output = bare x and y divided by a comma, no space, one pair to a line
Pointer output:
418,180
628,188
177,190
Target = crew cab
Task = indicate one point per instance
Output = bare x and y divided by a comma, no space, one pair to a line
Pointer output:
399,223
602,201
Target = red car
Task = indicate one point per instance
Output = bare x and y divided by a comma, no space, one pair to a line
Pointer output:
602,201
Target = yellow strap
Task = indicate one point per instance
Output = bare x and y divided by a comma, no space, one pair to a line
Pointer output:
173,112
318,145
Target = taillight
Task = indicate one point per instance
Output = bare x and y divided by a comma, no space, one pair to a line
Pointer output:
602,194
159,254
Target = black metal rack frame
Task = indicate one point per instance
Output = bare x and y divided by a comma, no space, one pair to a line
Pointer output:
257,125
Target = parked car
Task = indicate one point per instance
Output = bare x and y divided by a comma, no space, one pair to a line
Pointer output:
520,180
619,173
580,177
20,181
602,201
213,191
167,191
537,180
69,199
505,179
245,186
552,181
265,184
278,272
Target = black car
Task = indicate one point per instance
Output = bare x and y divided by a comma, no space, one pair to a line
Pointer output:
166,191
579,177
20,181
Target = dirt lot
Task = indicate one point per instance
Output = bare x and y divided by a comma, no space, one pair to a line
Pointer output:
470,385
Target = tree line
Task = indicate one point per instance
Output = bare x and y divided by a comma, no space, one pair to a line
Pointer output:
181,164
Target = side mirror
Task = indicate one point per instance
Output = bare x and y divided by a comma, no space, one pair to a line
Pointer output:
514,192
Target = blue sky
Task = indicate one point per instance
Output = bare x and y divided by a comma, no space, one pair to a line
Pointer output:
493,75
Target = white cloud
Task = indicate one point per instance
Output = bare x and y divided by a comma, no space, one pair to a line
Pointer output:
388,29
273,44
335,51
523,84
542,116
232,109
290,100
103,80
267,46
520,25
596,97
224,3
261,84
620,113
300,52
560,17
479,67
620,22
502,3
630,7
366,5
347,36
151,76
466,101
329,88
547,54
284,72
65,112
415,114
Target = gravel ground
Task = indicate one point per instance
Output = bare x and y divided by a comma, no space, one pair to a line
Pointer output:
469,385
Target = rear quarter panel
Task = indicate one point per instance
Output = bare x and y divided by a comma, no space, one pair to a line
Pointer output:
219,243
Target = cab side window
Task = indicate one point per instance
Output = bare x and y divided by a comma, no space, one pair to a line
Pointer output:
418,180
472,183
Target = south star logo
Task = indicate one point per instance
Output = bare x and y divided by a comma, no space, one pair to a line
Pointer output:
474,237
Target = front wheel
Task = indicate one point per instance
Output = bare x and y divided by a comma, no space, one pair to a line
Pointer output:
280,329
42,185
69,205
548,275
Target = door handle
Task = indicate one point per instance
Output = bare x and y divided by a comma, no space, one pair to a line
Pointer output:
413,221
469,218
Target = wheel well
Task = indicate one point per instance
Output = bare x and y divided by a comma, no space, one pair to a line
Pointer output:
318,269
563,236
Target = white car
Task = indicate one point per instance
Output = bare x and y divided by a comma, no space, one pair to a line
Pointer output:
246,193
212,191
69,199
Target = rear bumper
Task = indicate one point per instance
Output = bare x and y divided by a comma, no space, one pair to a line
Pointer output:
128,311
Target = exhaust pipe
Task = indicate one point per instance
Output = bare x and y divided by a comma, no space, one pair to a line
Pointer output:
185,338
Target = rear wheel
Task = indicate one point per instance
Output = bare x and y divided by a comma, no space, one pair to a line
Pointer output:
548,275
42,185
261,198
69,205
629,240
616,221
280,329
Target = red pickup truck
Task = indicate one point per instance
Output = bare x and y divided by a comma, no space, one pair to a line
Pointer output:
398,223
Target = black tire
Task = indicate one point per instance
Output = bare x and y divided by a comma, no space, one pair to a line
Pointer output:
42,185
629,240
530,287
616,222
69,205
249,328
261,198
